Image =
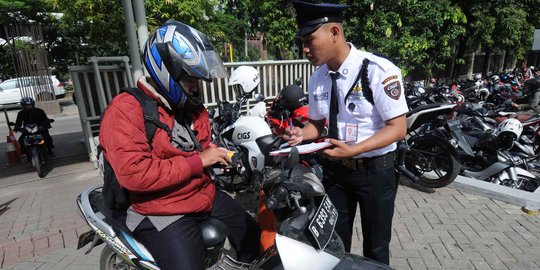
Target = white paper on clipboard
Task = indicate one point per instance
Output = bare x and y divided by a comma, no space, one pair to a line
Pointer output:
302,149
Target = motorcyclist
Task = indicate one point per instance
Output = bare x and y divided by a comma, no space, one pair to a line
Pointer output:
170,191
32,115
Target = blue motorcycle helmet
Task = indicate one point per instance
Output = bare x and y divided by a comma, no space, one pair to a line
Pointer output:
27,103
505,77
175,51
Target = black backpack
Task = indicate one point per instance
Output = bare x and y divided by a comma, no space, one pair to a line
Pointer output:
116,199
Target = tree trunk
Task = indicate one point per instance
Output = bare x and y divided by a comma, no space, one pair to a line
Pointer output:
506,53
456,70
471,65
485,66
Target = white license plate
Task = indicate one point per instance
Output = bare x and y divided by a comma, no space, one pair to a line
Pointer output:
323,223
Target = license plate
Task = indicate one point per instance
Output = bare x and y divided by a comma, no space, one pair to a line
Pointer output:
323,223
85,238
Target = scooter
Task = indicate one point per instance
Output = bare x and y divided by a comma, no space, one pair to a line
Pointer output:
305,239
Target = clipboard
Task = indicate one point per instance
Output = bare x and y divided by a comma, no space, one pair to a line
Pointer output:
302,149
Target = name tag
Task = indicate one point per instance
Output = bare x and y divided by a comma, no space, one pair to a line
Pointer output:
320,97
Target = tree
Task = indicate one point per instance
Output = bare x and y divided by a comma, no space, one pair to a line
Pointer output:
418,35
272,18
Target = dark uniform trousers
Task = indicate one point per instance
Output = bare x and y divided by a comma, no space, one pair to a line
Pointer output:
372,184
180,245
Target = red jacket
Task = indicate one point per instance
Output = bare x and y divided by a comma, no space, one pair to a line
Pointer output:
165,180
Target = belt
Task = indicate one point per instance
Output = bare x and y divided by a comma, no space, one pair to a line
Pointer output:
362,163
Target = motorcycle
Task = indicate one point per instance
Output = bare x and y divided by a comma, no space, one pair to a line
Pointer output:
430,146
306,237
246,135
35,145
497,157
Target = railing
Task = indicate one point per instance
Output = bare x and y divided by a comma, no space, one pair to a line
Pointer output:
98,82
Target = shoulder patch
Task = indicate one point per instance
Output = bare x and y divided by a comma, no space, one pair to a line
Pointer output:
393,90
393,77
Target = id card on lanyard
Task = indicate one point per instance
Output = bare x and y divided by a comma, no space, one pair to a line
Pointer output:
351,132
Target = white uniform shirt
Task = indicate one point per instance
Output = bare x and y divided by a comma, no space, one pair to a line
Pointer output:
361,120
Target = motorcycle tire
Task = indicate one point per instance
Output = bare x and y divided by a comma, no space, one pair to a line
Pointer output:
430,158
109,260
37,160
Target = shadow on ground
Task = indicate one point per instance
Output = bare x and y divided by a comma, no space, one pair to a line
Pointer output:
69,150
5,206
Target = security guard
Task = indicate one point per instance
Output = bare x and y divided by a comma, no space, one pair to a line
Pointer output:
361,96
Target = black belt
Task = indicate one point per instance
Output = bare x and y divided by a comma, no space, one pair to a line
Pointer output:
362,163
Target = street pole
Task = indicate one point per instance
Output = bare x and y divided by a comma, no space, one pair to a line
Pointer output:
132,40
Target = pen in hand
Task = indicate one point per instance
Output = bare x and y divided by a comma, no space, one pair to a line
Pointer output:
290,124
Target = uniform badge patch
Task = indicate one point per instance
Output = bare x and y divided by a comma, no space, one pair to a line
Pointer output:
393,77
357,88
393,90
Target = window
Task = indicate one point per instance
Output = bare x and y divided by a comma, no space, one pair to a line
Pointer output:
9,85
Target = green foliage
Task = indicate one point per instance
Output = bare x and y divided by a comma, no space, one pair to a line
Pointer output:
272,18
417,35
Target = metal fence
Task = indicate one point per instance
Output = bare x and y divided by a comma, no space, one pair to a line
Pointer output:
98,82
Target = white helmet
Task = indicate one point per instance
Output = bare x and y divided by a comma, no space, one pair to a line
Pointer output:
244,80
483,93
508,131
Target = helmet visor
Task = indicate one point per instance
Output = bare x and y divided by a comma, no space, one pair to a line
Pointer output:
211,68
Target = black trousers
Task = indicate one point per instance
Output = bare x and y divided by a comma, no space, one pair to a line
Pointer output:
180,245
373,187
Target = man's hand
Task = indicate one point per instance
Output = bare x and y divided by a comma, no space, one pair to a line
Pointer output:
213,156
340,150
294,136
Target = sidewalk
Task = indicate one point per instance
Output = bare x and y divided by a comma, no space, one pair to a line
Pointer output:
448,229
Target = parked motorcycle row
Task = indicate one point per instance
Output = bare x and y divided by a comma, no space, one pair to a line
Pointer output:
493,128
451,129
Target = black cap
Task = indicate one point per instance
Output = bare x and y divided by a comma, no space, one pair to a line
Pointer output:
310,17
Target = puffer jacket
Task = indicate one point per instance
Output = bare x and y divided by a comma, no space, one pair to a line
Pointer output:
164,180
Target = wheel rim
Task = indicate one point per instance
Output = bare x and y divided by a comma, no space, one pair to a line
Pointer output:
117,263
428,157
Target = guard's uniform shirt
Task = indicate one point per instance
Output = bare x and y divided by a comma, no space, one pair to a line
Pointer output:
358,119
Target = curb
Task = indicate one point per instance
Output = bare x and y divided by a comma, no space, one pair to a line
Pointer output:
530,201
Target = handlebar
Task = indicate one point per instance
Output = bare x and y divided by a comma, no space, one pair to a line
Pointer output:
278,194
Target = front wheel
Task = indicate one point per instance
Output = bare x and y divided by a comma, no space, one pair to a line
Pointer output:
432,161
37,161
109,260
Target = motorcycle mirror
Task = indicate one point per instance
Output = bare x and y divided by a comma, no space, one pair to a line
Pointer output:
298,81
211,112
259,97
292,159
